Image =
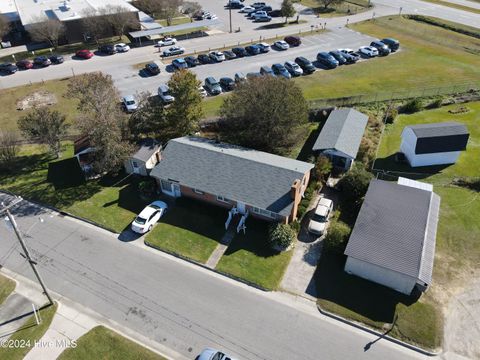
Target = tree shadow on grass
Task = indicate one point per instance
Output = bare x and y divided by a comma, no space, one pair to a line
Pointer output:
373,301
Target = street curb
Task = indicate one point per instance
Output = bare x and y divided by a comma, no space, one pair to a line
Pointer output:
233,277
379,334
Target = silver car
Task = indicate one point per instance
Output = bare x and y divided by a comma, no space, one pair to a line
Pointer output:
129,103
293,68
212,354
164,94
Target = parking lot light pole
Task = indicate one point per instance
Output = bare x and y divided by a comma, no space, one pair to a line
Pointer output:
230,16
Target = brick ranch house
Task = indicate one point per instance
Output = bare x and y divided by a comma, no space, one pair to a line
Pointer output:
245,181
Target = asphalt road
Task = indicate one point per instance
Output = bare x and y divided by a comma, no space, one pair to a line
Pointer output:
177,304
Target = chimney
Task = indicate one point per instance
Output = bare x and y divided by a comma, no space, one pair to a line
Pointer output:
294,189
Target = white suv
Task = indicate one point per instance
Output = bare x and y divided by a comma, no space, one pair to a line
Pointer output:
217,56
164,94
167,41
319,221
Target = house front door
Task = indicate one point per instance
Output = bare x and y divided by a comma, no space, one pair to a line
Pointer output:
176,190
136,168
241,207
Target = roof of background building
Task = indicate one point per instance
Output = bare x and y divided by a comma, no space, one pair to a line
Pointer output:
169,29
396,229
146,148
34,11
256,178
343,131
438,129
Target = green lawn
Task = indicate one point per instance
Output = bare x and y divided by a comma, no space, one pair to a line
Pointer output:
342,9
28,333
250,258
190,228
105,344
175,21
454,5
6,287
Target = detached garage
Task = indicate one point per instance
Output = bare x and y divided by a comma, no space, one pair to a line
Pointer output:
393,241
434,144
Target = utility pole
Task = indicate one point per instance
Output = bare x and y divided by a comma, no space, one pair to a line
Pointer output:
24,247
230,15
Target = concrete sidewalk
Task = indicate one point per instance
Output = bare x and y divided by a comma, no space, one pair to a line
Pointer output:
13,313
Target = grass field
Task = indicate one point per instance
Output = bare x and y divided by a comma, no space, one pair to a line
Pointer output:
342,9
454,5
6,287
28,333
105,344
175,21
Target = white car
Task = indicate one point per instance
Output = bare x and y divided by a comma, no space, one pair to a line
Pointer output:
369,51
202,91
148,217
164,94
167,41
319,221
121,47
217,56
129,103
212,354
247,9
281,45
293,68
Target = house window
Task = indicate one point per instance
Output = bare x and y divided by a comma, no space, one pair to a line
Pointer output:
199,192
135,164
223,199
166,185
265,213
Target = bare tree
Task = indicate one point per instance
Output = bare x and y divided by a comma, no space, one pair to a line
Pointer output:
119,18
8,147
191,7
152,7
4,26
170,8
94,23
327,3
47,30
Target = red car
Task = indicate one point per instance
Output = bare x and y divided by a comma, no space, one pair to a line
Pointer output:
293,40
24,64
84,54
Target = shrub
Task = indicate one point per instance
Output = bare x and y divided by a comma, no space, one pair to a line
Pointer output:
146,187
337,237
412,106
323,167
281,236
307,197
295,225
366,151
355,183
391,115
435,104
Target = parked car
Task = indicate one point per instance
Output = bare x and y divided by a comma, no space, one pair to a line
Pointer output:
229,55
252,50
258,5
281,45
256,13
339,57
148,217
212,86
217,56
266,8
393,44
383,49
319,221
166,41
266,71
239,51
293,68
227,83
212,354
253,75
264,47
24,64
129,104
239,77
121,47
275,13
84,54
327,60
152,69
174,50
353,54
368,51
293,40
234,4
204,59
8,68
56,59
262,18
108,49
42,61
349,59
210,17
179,64
247,9
279,70
202,91
192,61
305,64
164,94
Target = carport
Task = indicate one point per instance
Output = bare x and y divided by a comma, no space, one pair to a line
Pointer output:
151,34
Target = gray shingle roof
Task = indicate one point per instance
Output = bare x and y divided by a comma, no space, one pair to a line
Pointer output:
146,148
396,229
343,131
256,178
438,129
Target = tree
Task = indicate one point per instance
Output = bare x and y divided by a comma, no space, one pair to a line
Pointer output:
327,3
47,30
186,111
94,23
355,183
191,8
119,18
149,119
44,126
169,8
8,148
281,236
323,167
152,7
287,9
4,26
102,119
266,114
336,238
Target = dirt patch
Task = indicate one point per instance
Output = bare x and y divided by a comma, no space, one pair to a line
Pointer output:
37,98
